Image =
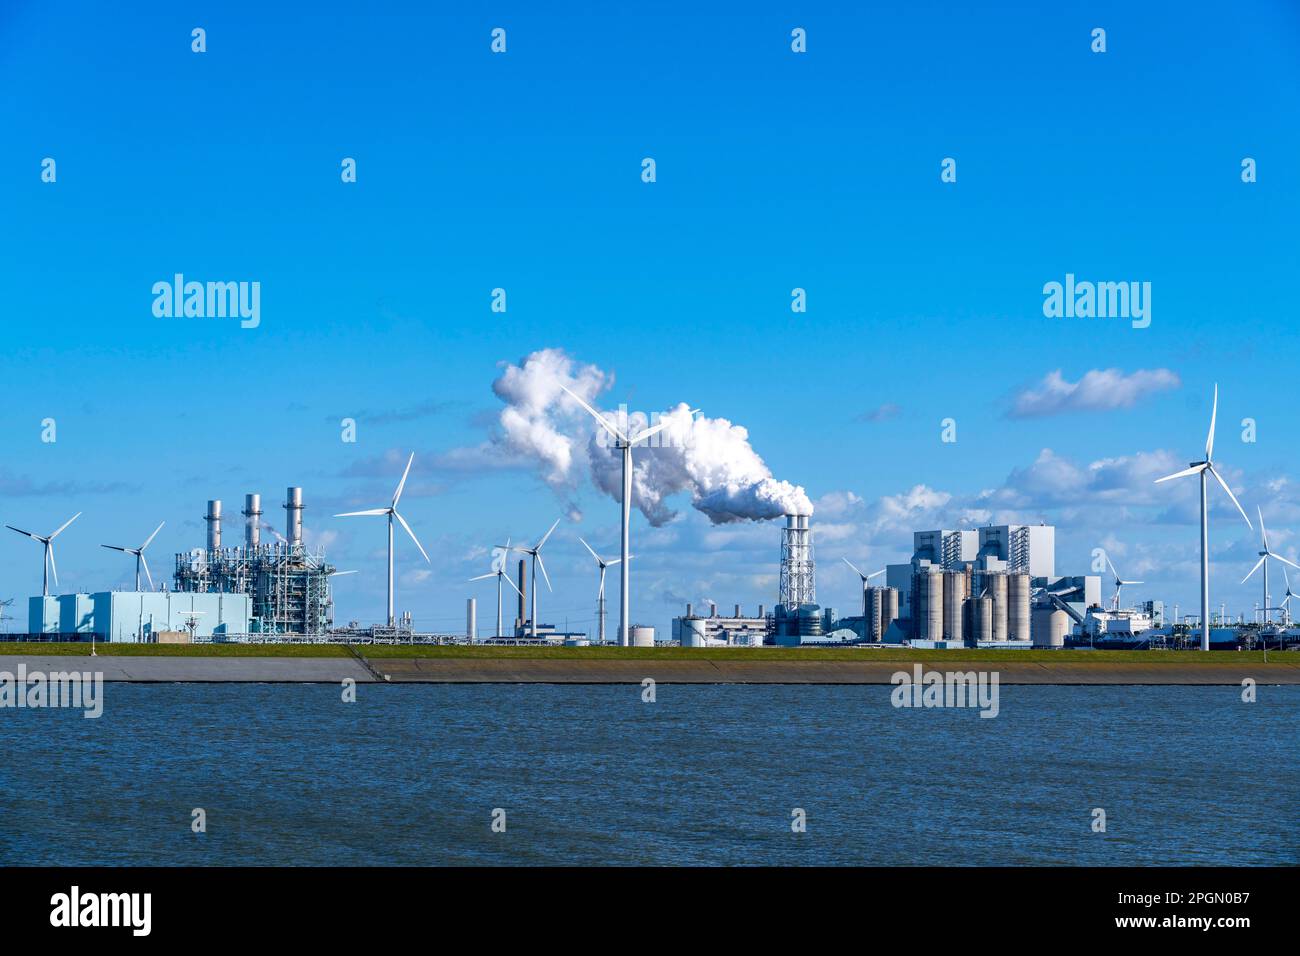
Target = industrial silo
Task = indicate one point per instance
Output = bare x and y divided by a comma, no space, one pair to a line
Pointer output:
980,611
888,609
927,603
1018,607
954,593
1050,626
642,636
694,632
997,585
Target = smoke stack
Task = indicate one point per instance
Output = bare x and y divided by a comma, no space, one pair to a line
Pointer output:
713,610
523,590
798,579
737,612
293,517
253,520
760,610
213,518
688,611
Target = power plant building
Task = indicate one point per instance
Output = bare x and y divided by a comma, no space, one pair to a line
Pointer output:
692,630
139,616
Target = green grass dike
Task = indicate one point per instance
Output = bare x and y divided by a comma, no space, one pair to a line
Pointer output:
756,654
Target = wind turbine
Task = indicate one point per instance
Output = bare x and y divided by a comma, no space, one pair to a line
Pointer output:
536,552
47,562
1263,560
600,595
1286,601
139,556
1119,584
865,579
1203,468
499,555
625,443
391,512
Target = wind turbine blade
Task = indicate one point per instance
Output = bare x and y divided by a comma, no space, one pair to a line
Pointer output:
1287,580
547,535
1219,479
598,416
537,556
145,564
49,549
588,547
490,574
64,525
20,531
875,574
1263,532
1112,569
1134,582
113,547
511,581
610,564
1253,570
353,514
854,567
402,484
646,433
403,523
1194,470
1209,439
152,536
339,574
1285,561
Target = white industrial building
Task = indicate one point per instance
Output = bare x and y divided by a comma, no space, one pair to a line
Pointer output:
692,630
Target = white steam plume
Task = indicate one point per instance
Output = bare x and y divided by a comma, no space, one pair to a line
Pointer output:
709,458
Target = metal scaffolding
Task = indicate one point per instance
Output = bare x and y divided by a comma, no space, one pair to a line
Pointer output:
289,585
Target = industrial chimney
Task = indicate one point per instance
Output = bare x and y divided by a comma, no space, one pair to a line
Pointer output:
798,582
293,517
253,520
213,518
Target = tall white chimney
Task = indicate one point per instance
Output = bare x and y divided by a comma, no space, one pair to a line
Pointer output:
213,518
293,517
252,520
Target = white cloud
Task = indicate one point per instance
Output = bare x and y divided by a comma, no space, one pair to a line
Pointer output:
1097,390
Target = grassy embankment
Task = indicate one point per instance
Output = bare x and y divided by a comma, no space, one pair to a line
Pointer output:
482,652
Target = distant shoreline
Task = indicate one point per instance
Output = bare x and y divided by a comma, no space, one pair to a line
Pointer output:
540,667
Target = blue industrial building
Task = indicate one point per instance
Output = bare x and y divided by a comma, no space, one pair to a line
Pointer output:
139,616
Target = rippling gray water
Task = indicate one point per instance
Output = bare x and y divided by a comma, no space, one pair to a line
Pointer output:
707,775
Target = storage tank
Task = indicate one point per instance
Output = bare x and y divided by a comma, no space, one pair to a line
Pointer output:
997,585
810,620
642,636
693,632
1050,627
1018,607
980,611
954,593
927,603
889,610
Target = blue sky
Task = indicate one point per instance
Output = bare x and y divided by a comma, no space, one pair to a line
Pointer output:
522,171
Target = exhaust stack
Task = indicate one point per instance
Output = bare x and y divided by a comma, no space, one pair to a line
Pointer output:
253,524
293,517
213,518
